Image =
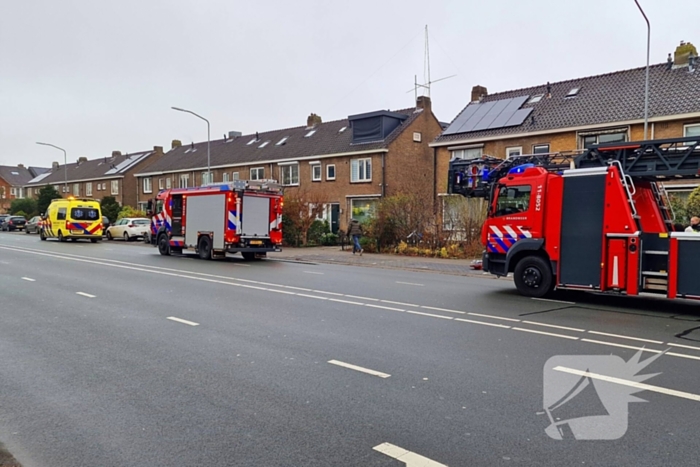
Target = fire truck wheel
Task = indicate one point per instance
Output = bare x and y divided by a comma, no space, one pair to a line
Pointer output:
204,247
533,277
248,256
163,245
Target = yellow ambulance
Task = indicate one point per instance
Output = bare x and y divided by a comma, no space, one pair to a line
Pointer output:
72,218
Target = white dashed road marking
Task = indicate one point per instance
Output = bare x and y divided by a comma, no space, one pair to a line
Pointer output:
565,328
410,283
625,337
359,368
411,459
28,279
313,272
632,384
494,317
86,294
534,331
183,321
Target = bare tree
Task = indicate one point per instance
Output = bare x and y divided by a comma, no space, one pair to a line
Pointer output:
301,209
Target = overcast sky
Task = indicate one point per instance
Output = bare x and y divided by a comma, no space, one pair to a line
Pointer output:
96,76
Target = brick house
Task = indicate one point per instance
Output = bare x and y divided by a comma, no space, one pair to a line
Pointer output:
347,164
97,178
12,181
575,114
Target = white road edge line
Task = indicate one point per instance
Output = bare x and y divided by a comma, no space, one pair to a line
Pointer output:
428,314
632,384
311,296
534,331
443,309
411,459
312,272
86,295
682,346
359,368
495,325
28,279
183,321
361,298
494,317
383,307
592,341
345,301
566,328
625,337
553,301
410,283
400,303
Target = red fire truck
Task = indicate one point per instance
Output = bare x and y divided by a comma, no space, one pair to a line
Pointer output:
597,220
240,216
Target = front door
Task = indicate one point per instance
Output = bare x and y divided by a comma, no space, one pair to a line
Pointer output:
335,217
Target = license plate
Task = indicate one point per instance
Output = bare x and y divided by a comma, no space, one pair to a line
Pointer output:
256,242
77,231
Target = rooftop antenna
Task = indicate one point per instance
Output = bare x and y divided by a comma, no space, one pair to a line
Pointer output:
426,72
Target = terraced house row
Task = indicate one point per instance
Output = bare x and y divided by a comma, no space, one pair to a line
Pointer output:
349,164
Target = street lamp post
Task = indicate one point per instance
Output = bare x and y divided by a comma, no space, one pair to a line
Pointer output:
646,84
209,178
65,164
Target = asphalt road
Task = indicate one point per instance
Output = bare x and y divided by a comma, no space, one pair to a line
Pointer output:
113,355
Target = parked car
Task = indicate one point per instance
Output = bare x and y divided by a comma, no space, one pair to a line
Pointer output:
3,217
13,223
129,228
33,225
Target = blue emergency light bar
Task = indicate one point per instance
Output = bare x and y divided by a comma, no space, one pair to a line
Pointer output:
520,169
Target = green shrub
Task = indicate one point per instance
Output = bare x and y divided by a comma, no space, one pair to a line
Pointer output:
21,214
110,208
128,211
24,207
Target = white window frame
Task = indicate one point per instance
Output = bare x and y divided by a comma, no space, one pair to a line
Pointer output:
184,180
115,187
293,181
147,185
168,183
328,177
207,180
512,149
254,175
235,176
29,192
689,126
542,145
467,153
224,177
4,192
56,187
76,189
13,191
88,188
314,166
365,163
161,183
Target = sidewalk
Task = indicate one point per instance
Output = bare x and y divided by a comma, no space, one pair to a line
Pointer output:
334,255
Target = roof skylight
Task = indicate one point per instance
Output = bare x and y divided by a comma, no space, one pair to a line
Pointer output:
535,99
282,141
573,92
342,129
264,144
251,141
15,173
309,133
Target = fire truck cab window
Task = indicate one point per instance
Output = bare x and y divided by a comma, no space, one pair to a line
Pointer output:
513,199
159,205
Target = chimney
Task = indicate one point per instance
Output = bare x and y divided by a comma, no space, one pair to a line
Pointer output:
116,154
21,166
313,120
234,134
478,93
158,149
683,53
176,143
423,102
54,166
81,160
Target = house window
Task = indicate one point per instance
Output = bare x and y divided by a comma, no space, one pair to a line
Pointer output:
691,130
3,193
471,153
184,180
289,174
65,189
147,185
29,192
207,178
589,140
115,187
88,189
224,177
363,209
13,191
316,172
330,172
168,183
257,173
361,170
57,188
104,186
235,176
540,149
76,189
514,151
161,183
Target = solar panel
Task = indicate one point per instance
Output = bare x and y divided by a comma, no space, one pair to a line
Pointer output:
476,118
518,117
492,114
513,105
461,118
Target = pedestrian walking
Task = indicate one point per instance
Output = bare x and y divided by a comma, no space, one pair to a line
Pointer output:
355,232
694,226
